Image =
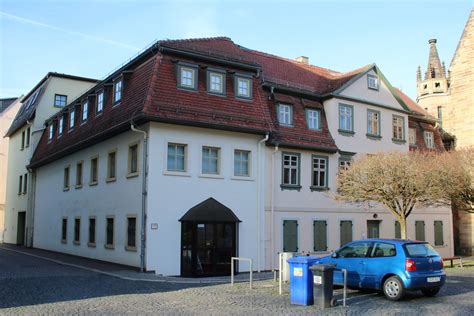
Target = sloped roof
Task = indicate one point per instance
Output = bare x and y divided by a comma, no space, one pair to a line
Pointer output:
210,211
5,103
416,109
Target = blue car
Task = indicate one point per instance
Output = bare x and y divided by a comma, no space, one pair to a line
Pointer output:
391,265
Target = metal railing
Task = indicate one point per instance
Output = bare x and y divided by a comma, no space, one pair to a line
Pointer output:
232,269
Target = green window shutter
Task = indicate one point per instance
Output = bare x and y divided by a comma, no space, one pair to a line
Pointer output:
420,230
346,232
373,229
320,236
438,229
398,230
290,236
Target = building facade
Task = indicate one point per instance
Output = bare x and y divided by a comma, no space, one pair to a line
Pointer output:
24,132
199,150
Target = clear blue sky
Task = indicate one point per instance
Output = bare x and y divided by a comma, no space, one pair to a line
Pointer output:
91,38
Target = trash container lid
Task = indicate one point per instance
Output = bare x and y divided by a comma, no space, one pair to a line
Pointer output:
322,267
303,259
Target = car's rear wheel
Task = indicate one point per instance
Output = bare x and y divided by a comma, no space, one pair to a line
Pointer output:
430,292
393,288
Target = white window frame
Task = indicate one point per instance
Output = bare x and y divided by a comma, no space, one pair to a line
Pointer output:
85,111
239,90
211,84
238,158
429,139
412,136
72,118
118,91
51,131
313,119
193,79
373,121
398,128
346,117
100,102
285,114
176,156
60,126
217,159
372,82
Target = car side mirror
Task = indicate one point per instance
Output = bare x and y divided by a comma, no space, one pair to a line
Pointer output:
334,255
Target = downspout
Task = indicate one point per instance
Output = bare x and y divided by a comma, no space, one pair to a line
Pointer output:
259,188
30,203
272,206
144,195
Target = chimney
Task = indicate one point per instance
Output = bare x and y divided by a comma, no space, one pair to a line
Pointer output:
303,60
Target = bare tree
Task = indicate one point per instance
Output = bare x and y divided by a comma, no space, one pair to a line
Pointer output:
403,181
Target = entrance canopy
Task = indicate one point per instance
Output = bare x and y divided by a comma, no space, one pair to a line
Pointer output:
210,211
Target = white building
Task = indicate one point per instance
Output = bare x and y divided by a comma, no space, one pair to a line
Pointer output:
174,162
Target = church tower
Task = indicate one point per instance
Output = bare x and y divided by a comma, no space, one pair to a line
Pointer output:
432,89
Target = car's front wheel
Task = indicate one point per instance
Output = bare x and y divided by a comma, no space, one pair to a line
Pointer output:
430,292
393,288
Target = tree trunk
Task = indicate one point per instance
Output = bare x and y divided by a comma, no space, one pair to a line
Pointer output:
403,227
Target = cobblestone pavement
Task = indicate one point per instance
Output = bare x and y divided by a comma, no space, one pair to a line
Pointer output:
32,286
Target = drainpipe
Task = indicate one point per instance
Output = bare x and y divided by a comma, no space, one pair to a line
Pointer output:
259,188
144,195
272,206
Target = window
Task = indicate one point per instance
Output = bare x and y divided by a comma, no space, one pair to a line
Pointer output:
285,114
320,235
71,119
355,250
345,161
381,249
429,139
346,118
94,171
131,233
77,231
398,230
117,91
133,160
420,230
291,170
25,183
373,123
28,135
187,77
176,157
66,179
216,82
438,233
398,124
372,82
100,102
210,160
373,229
412,136
91,240
22,140
313,118
50,131
346,232
111,161
20,184
79,175
85,111
440,115
60,100
64,231
61,126
320,173
241,163
290,236
243,88
109,232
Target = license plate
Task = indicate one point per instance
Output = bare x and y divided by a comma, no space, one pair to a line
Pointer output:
433,279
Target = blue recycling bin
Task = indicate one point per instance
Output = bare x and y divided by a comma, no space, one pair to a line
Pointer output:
301,280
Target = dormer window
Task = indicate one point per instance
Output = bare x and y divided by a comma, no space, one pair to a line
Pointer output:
187,77
285,114
372,82
60,100
50,131
71,119
313,118
243,88
118,91
100,102
85,110
61,126
215,82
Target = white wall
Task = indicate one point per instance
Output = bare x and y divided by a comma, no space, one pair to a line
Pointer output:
170,195
119,198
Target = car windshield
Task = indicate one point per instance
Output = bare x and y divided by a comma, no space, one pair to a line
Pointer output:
420,250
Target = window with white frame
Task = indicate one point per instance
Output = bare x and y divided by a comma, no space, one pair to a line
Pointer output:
118,91
187,77
373,123
344,162
372,82
346,118
210,160
61,125
291,166
313,118
100,102
51,131
429,139
71,119
216,82
176,157
241,163
320,172
285,114
243,87
28,136
412,136
398,124
60,100
85,110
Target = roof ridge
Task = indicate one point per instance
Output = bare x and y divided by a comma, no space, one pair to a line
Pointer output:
197,39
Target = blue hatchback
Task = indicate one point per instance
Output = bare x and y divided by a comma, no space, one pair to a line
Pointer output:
391,265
